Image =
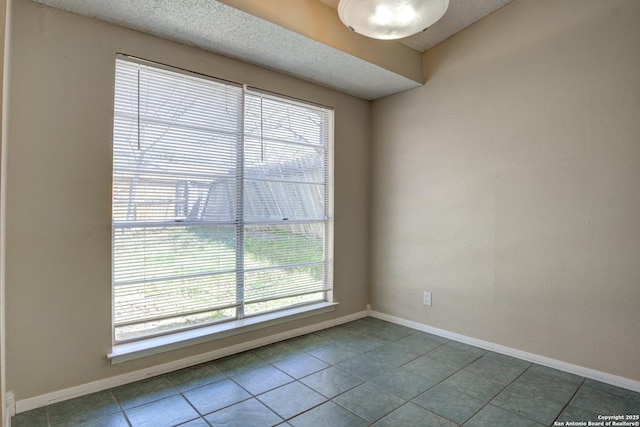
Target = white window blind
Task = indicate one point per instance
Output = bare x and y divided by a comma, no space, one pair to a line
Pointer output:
221,201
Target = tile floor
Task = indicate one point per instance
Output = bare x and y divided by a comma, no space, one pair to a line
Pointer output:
366,372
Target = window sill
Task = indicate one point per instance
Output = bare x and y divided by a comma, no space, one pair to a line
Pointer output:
156,345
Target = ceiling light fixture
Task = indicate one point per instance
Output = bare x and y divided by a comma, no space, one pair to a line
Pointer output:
390,19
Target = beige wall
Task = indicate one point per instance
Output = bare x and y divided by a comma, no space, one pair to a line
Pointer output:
59,194
509,185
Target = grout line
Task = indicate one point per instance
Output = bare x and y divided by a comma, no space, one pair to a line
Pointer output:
191,404
113,396
570,399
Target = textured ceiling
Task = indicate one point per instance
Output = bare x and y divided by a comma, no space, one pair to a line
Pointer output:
214,26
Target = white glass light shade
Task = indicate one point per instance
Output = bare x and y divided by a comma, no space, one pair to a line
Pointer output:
390,19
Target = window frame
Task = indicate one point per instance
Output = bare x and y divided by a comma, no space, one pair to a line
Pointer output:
148,344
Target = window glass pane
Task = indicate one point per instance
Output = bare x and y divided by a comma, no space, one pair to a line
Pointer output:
152,253
274,283
269,200
188,102
281,245
285,120
160,273
278,161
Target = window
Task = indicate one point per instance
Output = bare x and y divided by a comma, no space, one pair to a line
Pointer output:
221,201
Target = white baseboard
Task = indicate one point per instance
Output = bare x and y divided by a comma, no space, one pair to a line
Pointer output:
529,357
107,383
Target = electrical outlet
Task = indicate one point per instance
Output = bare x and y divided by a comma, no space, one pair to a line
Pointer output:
427,298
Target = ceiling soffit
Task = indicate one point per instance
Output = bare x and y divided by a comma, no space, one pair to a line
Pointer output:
305,39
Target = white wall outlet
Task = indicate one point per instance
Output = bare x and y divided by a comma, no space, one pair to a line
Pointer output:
427,298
